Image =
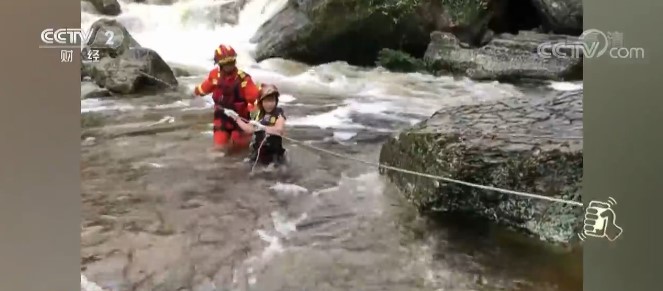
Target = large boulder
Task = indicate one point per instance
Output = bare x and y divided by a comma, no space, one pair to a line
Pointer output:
505,57
126,68
120,42
319,31
106,7
138,70
522,144
561,16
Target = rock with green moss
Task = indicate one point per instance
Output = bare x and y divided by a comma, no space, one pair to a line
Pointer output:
319,31
399,61
506,57
519,144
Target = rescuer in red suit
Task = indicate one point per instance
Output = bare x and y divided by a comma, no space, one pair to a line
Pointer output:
231,89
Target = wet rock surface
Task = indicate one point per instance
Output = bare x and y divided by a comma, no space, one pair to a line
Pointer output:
126,68
521,144
505,57
106,7
318,31
91,90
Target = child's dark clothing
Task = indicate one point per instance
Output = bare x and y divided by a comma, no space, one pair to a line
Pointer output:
268,150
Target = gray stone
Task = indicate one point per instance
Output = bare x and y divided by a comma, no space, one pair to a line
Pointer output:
318,31
127,68
504,57
106,7
519,144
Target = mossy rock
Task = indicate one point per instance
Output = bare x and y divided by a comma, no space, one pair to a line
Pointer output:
519,144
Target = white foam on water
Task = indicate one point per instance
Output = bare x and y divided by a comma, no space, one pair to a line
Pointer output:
337,118
87,285
344,135
566,86
165,119
284,226
176,104
286,98
290,189
156,165
275,247
98,105
325,190
186,32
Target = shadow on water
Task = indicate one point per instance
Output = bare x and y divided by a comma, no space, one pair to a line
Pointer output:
502,253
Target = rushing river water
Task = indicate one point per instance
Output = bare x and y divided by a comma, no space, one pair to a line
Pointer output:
163,213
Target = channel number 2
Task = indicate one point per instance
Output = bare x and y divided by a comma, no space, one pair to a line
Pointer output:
110,36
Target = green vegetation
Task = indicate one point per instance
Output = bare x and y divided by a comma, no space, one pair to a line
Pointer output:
465,11
395,9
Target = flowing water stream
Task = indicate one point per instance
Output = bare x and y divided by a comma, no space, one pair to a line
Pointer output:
163,213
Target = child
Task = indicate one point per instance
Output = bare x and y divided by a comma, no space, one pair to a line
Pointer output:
267,126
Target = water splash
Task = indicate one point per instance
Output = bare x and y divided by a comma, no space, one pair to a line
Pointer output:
186,32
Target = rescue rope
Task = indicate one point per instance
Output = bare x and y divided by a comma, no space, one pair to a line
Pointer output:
258,153
158,80
493,135
405,171
434,177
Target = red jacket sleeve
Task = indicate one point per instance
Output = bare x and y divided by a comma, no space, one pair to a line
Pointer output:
207,85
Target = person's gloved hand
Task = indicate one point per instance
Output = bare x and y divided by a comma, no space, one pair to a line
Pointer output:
231,113
257,125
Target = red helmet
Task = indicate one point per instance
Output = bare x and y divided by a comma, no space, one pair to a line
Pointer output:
224,54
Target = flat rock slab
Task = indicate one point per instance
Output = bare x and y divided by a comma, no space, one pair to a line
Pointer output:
521,144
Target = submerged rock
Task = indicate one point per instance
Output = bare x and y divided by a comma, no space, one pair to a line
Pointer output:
505,57
398,61
91,90
501,144
127,67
